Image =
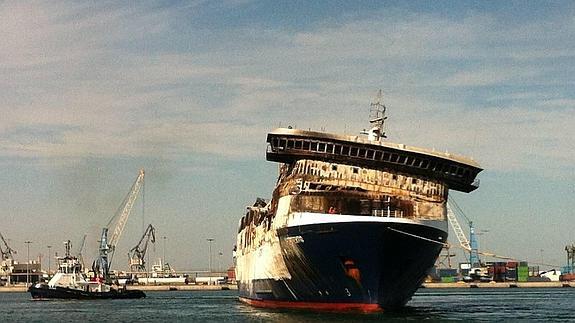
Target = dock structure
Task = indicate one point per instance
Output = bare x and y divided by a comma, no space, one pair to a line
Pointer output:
555,284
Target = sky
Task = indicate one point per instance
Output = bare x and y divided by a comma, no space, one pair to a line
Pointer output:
92,91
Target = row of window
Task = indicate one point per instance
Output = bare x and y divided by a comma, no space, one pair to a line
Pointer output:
316,146
369,176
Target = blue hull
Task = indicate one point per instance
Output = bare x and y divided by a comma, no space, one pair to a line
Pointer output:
349,263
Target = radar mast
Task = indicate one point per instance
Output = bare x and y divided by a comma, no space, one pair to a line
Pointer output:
377,119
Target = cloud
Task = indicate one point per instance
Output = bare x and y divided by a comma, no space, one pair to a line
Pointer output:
124,80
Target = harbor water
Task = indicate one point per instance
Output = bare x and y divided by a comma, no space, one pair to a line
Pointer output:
479,304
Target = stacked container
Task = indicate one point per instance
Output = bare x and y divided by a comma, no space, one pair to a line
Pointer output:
511,271
448,275
499,271
522,271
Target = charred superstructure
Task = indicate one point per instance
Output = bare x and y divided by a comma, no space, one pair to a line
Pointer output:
354,223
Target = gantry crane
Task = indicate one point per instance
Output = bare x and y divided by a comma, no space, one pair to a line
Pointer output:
136,255
102,265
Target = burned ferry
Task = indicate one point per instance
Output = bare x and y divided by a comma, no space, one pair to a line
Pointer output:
354,222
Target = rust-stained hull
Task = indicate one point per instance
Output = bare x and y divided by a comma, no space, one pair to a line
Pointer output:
354,224
351,266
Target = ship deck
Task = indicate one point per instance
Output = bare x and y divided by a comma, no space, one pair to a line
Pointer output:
289,145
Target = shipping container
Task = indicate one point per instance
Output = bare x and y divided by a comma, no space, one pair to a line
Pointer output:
511,274
448,279
522,273
447,272
511,264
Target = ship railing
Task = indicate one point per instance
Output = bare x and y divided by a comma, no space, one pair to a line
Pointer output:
387,213
475,183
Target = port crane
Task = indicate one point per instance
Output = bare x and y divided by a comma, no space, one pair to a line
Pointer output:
136,255
471,244
7,252
107,247
7,263
79,253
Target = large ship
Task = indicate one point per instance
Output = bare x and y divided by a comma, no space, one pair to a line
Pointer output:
354,223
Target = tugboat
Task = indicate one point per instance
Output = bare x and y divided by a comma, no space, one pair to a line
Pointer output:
70,282
354,222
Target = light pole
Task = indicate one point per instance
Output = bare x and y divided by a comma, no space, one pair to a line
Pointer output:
220,254
28,242
210,240
49,247
164,253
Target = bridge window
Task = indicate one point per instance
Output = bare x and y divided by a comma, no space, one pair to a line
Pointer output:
290,144
378,155
306,145
459,171
298,144
424,163
314,146
345,150
353,152
370,154
361,152
321,147
337,150
329,148
452,170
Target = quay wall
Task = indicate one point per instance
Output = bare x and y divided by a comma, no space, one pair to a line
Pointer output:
500,285
22,288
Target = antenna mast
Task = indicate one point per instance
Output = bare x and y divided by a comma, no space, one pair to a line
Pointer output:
377,118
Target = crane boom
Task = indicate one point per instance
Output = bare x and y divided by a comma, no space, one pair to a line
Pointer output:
463,242
7,252
137,254
107,246
123,217
79,253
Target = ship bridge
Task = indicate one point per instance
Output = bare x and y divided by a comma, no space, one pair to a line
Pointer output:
289,145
